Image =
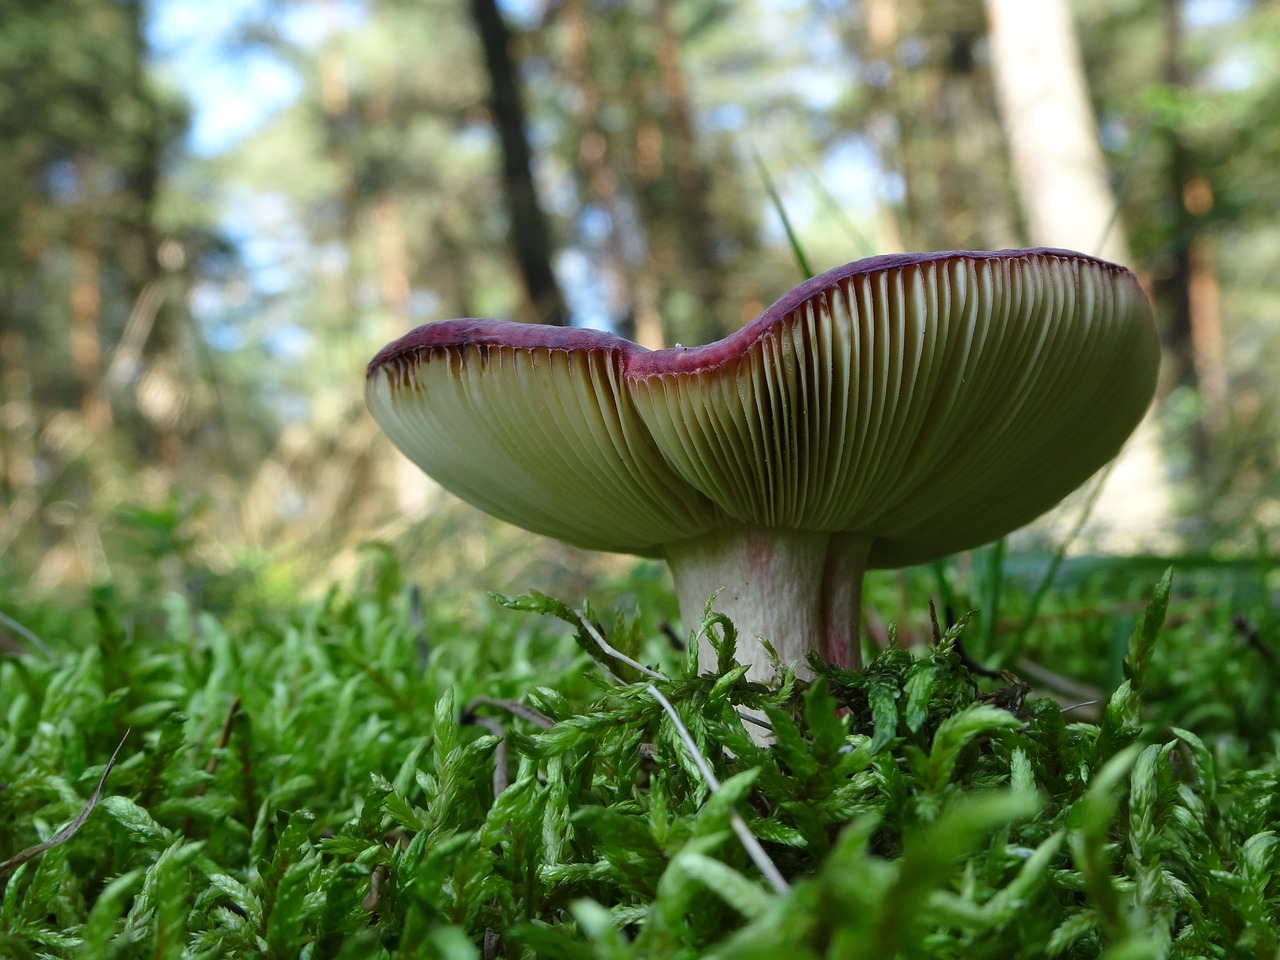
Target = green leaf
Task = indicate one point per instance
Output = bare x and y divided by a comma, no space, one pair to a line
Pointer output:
1201,762
1022,778
918,690
1091,819
293,905
108,909
452,943
247,903
827,728
1143,642
930,856
137,821
743,895
883,697
790,747
598,925
167,889
775,198
957,731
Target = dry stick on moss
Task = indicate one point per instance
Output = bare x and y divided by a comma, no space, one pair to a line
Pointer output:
514,707
1186,609
616,654
500,779
646,671
749,841
376,879
67,832
1056,682
210,768
224,737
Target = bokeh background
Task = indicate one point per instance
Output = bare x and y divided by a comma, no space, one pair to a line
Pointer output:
213,214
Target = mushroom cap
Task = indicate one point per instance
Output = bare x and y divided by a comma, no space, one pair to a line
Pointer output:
929,402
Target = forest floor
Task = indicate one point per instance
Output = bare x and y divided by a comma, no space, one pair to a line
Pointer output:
375,774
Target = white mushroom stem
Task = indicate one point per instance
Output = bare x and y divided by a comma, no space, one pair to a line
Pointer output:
801,590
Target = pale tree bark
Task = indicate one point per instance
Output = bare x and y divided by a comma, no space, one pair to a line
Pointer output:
1052,133
86,307
1067,202
335,100
86,346
393,260
19,427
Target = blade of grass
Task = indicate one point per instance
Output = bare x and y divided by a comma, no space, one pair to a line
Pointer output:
1122,182
1011,652
865,245
992,584
801,260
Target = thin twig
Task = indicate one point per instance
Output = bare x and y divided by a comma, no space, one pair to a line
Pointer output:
30,637
972,665
748,839
616,654
747,717
515,708
1055,681
224,737
1253,636
67,832
649,671
500,779
1077,706
673,638
376,879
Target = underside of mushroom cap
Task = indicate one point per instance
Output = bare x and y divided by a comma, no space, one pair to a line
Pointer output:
533,424
927,402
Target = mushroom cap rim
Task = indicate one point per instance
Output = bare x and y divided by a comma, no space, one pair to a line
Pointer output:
638,361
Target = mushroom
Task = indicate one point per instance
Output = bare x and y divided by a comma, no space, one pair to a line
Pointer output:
885,413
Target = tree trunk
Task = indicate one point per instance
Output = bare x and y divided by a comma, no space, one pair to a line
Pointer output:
1185,286
1173,276
881,43
393,261
598,169
530,235
1061,173
19,489
86,306
694,218
1067,202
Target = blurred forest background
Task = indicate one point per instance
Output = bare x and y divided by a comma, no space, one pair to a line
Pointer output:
213,214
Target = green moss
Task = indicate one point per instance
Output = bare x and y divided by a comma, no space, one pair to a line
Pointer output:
369,776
